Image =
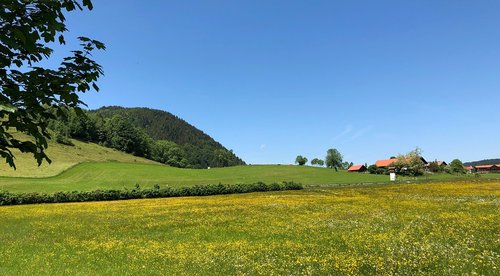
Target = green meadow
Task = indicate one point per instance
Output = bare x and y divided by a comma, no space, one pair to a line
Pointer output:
118,175
436,229
88,166
115,175
64,157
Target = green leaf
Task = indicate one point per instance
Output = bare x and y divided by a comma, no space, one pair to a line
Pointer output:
61,39
95,87
7,108
88,4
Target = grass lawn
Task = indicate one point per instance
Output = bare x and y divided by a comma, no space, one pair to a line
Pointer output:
439,228
64,157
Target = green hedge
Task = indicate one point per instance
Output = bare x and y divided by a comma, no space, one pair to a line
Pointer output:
7,198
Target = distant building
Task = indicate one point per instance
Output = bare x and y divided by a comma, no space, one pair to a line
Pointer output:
440,164
488,168
385,163
357,168
470,169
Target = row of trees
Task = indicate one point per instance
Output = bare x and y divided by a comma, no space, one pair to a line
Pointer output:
333,160
119,133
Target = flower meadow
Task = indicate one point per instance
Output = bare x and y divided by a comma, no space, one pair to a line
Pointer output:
438,228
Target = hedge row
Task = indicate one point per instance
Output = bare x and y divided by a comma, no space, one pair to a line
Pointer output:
7,198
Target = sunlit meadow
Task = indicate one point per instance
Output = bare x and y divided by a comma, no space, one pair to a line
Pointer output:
440,228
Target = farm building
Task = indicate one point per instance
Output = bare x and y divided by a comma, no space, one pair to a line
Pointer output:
389,162
357,168
385,163
440,164
488,168
470,169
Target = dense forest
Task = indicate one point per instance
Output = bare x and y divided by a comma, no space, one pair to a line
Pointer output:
483,162
149,133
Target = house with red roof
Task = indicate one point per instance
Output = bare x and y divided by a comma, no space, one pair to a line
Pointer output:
357,168
470,169
488,168
390,162
385,163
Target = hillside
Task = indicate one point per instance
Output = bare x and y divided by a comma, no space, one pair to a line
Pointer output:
161,125
483,162
200,149
63,157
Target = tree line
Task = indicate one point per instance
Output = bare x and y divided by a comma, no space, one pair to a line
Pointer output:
120,133
332,160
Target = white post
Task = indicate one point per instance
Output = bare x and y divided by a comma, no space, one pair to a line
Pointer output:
392,176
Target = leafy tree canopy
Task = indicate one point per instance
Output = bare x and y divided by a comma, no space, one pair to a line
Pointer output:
456,166
301,160
333,159
318,162
435,167
29,93
410,163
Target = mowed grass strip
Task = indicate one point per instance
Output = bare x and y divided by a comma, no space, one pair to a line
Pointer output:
438,229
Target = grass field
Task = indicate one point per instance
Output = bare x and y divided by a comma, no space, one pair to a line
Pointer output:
64,157
88,166
440,229
116,175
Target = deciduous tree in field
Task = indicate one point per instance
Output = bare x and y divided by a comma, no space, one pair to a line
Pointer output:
317,162
333,159
410,163
301,160
29,93
456,166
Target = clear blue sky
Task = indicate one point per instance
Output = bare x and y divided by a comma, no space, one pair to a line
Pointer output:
274,79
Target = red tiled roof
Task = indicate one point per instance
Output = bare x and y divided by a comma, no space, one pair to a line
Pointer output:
484,166
355,168
385,163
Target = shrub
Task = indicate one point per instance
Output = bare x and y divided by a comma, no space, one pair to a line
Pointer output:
8,198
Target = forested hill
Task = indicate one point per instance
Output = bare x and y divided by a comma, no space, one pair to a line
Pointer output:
161,125
483,162
197,148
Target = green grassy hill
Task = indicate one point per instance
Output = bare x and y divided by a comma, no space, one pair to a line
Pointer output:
63,157
117,175
88,166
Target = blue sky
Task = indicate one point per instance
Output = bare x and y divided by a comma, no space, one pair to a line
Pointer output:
275,79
